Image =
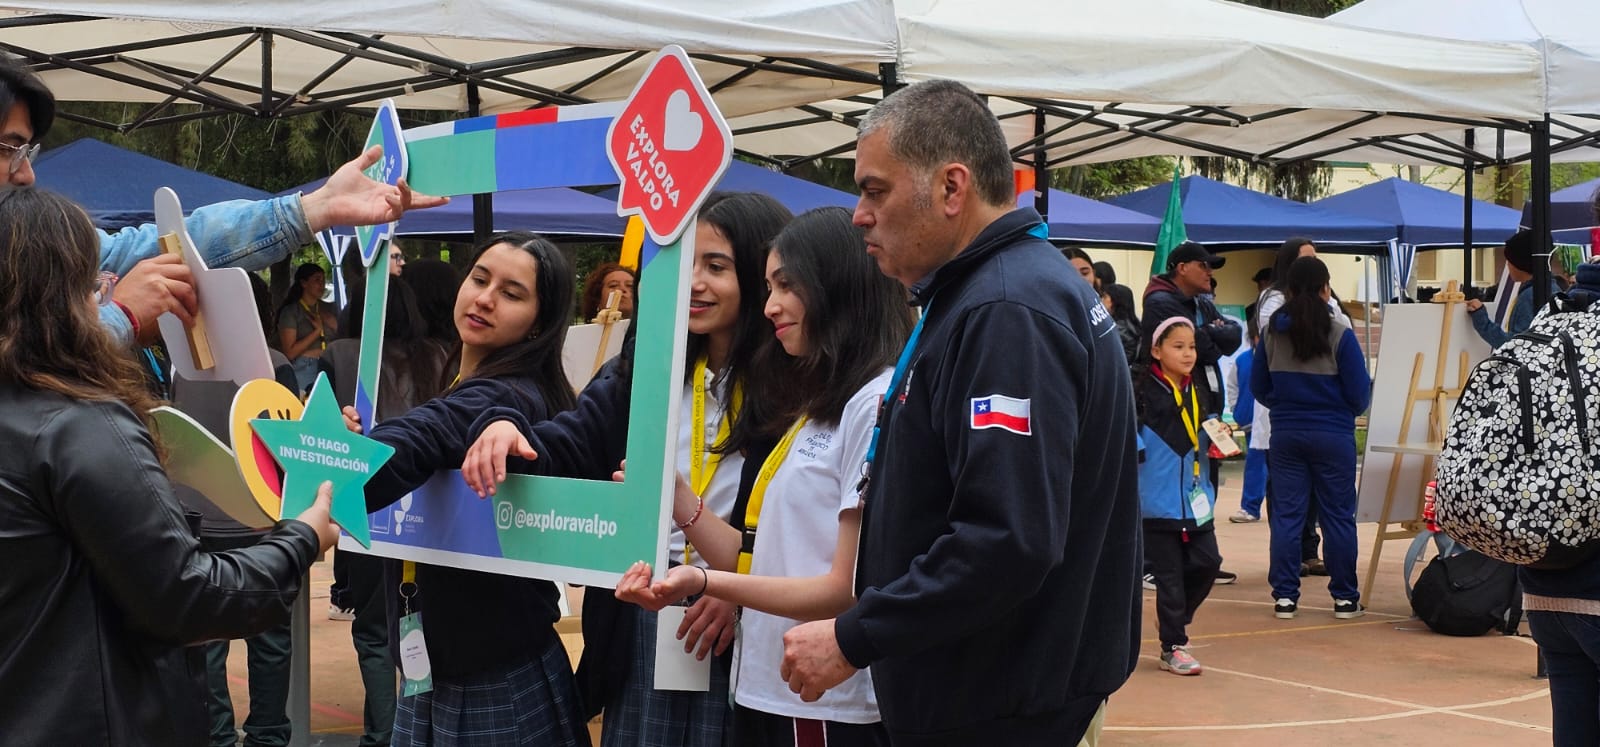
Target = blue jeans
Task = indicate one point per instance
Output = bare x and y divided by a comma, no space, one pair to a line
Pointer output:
1255,481
1303,461
1571,647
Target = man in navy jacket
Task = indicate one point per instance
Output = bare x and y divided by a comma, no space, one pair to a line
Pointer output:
997,582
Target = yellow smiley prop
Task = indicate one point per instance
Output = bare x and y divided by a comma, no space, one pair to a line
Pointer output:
261,398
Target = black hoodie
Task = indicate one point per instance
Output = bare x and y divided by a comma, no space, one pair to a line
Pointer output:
998,574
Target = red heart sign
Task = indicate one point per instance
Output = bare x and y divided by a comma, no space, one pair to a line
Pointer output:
669,145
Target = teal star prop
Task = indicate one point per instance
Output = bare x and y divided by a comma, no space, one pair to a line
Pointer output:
319,447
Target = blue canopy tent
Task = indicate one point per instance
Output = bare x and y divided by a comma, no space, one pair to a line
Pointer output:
1571,213
1425,216
1076,219
117,186
554,211
1223,217
795,193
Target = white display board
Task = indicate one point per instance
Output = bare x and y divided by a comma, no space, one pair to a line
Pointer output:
1409,329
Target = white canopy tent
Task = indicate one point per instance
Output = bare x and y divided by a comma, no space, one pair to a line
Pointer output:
281,58
1181,77
1566,36
1201,73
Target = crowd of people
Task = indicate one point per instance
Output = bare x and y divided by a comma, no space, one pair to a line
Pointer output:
924,459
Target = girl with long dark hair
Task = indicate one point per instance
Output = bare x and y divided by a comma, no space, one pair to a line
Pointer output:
842,323
1311,373
105,585
724,398
499,669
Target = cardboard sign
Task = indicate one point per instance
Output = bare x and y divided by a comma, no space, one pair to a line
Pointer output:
197,459
257,400
227,308
389,170
319,447
669,145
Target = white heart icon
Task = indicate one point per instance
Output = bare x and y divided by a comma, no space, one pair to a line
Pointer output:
683,125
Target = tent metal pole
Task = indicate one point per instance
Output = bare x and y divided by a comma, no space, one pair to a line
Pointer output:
1466,213
1539,192
889,77
266,71
1041,174
482,205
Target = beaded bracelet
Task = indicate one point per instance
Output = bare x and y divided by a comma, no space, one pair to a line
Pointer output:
698,509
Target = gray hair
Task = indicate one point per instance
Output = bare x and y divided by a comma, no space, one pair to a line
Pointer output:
937,122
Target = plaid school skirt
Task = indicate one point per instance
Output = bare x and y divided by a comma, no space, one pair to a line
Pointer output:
533,705
641,716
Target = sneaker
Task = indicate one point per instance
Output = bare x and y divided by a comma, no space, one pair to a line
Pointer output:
1243,517
1347,609
1149,582
1179,662
1225,577
335,612
1285,609
1315,567
1305,570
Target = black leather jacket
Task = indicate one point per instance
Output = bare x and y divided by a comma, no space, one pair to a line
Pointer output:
104,583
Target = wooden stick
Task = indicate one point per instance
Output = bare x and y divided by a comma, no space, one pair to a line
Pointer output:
607,317
199,343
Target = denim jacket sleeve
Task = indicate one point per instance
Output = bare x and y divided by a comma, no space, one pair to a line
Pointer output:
247,234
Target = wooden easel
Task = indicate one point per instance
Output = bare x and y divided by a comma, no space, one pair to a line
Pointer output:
1436,397
606,317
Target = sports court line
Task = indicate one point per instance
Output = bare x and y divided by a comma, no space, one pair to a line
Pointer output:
1276,631
1413,709
1302,607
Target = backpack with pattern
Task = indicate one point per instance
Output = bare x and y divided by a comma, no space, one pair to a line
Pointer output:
1519,477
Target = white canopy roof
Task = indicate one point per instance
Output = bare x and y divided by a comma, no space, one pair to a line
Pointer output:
1565,33
1190,76
1206,52
755,56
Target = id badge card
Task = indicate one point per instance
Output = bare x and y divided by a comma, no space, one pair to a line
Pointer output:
677,669
1200,505
414,662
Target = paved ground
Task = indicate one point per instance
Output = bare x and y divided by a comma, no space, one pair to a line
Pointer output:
1383,678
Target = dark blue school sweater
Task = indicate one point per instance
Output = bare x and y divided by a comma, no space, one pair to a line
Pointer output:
475,622
1323,394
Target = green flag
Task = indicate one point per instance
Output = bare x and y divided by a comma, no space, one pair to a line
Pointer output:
1172,232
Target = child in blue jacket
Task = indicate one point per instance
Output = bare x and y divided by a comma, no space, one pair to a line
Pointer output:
1176,496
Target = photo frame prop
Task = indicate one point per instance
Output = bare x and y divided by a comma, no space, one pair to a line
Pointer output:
578,531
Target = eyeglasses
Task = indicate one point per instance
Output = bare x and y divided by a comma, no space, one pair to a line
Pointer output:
19,153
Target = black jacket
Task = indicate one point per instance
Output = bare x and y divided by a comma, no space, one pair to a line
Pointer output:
998,573
475,622
105,583
1212,342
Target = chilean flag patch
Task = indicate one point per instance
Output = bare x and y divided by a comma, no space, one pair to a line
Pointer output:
1000,411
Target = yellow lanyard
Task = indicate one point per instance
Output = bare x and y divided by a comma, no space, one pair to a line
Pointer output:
758,493
311,317
1189,421
703,461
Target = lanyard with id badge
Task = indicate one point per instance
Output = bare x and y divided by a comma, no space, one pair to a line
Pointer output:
1199,502
414,664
